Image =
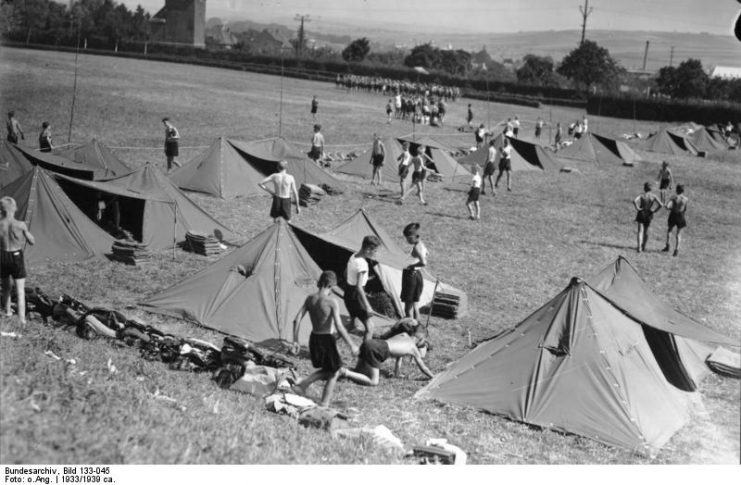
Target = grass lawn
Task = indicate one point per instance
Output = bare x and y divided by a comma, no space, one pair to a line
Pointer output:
527,246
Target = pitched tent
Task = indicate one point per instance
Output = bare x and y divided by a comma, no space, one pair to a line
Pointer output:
96,154
598,149
220,171
670,143
65,166
443,162
12,163
526,156
264,156
361,166
621,284
706,142
151,207
62,231
578,364
332,249
254,292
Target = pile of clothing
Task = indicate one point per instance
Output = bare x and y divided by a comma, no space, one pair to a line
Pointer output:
130,252
204,244
310,194
449,304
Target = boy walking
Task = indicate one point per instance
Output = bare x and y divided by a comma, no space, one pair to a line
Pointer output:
357,272
13,237
324,312
284,186
644,205
677,206
472,203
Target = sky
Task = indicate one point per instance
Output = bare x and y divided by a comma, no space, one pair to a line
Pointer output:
491,16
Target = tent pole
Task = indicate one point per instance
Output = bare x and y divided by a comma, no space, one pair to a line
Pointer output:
174,230
74,89
434,292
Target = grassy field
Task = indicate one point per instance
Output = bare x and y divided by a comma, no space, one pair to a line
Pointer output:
527,246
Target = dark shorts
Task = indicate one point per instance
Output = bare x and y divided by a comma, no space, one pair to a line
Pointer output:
664,184
374,352
537,132
354,305
677,219
403,171
645,218
419,176
12,138
489,169
515,131
12,265
505,165
171,149
281,208
313,110
315,153
411,285
324,354
473,194
378,160
577,135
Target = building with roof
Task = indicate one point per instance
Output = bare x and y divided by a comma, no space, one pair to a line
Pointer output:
726,72
181,22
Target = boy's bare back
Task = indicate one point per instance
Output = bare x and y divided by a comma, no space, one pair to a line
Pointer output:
12,234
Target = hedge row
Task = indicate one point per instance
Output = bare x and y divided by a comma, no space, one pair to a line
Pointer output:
703,112
501,98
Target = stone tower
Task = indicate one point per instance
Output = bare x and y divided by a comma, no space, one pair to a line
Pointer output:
181,22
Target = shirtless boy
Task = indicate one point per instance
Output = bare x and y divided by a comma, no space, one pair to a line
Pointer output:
13,237
646,205
677,206
412,282
284,186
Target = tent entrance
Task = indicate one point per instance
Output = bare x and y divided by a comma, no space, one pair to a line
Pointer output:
664,348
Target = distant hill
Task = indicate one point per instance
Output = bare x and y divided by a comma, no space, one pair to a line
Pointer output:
626,46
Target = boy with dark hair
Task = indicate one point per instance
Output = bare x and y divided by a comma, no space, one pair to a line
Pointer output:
404,160
284,186
489,168
324,312
378,155
13,237
677,206
469,115
14,128
172,138
472,203
45,143
317,144
314,106
505,163
412,281
644,205
358,271
420,172
665,180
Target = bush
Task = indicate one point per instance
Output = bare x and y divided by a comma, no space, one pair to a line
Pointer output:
703,112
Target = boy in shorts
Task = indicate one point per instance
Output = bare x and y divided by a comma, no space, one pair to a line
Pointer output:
489,168
317,144
646,205
677,206
284,186
505,164
405,159
324,312
472,203
420,172
314,107
13,237
172,138
358,271
412,282
665,180
378,155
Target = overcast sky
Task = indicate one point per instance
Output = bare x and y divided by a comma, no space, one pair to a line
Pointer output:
713,16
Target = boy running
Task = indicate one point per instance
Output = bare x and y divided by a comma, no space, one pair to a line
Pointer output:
474,210
317,144
677,206
324,312
357,272
505,164
644,205
284,186
412,282
13,237
378,155
665,180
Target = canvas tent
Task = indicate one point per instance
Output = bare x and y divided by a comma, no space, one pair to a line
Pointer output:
592,147
65,166
264,155
95,154
361,166
706,142
526,156
254,292
670,143
220,171
443,162
332,249
62,231
578,364
151,207
12,163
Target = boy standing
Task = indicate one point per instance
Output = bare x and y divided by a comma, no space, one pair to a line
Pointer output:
378,155
419,173
357,271
489,169
644,205
665,179
13,237
45,143
172,138
404,160
314,107
14,128
412,282
538,127
469,115
677,206
472,203
284,186
324,312
505,164
317,144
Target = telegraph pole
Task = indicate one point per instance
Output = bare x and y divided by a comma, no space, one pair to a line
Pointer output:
671,56
585,11
301,36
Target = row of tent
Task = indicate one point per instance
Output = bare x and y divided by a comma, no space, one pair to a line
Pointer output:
605,359
675,142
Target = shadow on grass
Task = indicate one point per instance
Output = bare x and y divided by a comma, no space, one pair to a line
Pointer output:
383,196
454,189
612,245
452,216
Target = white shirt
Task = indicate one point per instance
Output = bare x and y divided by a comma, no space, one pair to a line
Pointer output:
476,182
357,268
406,157
318,140
507,151
516,123
492,154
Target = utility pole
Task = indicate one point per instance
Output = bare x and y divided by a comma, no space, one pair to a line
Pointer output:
301,36
645,56
585,11
671,56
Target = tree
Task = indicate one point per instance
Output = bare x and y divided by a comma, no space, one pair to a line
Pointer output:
356,50
691,79
589,65
537,71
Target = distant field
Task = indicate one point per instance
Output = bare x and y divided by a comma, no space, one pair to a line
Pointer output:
527,246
